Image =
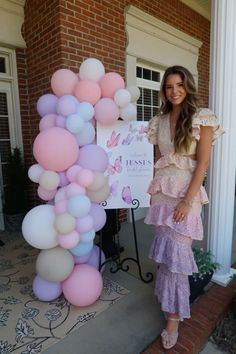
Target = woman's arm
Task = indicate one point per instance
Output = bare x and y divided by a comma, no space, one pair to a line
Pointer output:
203,157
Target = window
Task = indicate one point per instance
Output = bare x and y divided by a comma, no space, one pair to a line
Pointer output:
148,81
2,65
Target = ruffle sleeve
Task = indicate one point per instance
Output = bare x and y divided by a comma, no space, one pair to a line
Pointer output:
152,130
205,117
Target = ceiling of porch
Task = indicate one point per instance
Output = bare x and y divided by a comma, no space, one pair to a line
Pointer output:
203,7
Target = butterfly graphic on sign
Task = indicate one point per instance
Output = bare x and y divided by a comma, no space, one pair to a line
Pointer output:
128,139
114,189
113,140
116,168
126,195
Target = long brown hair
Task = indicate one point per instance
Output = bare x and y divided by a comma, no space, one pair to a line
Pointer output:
189,106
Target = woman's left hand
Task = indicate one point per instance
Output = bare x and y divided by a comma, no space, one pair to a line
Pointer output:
181,211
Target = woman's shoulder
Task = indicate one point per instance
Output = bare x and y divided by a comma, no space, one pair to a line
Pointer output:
205,117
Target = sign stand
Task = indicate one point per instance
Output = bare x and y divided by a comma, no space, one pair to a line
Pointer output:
117,262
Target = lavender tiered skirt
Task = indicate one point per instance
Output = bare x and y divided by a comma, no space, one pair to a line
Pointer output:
171,247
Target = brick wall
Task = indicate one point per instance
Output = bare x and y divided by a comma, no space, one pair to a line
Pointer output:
62,33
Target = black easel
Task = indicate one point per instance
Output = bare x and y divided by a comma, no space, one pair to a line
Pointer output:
117,262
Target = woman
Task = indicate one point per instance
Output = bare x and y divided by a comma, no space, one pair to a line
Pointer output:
183,135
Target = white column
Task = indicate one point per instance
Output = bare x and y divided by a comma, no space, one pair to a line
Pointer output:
223,162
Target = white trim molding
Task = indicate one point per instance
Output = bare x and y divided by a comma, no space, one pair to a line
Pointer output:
11,19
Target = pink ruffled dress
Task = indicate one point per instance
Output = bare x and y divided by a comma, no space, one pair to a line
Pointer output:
171,247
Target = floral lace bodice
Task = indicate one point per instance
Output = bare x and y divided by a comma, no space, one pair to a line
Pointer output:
159,130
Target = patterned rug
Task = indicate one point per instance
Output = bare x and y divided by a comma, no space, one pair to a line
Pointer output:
29,326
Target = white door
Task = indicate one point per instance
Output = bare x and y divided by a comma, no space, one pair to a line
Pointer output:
6,112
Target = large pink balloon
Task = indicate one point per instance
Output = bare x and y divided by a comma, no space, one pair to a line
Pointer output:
99,216
63,82
84,285
106,111
110,83
55,149
87,90
93,157
47,104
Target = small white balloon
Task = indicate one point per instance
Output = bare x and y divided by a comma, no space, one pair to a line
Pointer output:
134,92
49,180
129,112
122,97
87,236
35,172
78,205
91,69
60,194
87,135
38,227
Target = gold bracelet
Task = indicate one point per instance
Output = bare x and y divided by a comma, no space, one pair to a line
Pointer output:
190,204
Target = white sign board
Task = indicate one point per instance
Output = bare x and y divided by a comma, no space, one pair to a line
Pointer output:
130,167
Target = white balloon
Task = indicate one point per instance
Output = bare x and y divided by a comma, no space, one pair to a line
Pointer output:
65,223
99,196
74,123
85,110
87,236
49,180
129,112
87,135
78,205
99,181
34,172
122,97
134,92
91,69
55,264
38,227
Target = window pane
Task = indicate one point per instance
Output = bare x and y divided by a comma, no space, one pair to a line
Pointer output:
138,71
4,128
5,150
2,65
147,113
146,74
3,103
147,100
155,98
155,76
140,100
139,113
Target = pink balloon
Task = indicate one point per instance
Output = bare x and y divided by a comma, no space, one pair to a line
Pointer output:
60,207
110,83
85,177
71,173
99,216
93,157
46,290
60,121
67,105
74,188
106,111
47,104
84,285
84,224
45,194
87,90
69,240
47,121
63,82
55,149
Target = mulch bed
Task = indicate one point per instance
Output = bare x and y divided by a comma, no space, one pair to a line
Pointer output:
224,335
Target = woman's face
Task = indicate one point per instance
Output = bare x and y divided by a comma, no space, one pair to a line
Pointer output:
174,89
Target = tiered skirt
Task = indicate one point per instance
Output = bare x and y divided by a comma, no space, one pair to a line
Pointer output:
171,248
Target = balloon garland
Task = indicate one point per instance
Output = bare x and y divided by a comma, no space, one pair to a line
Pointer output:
70,176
